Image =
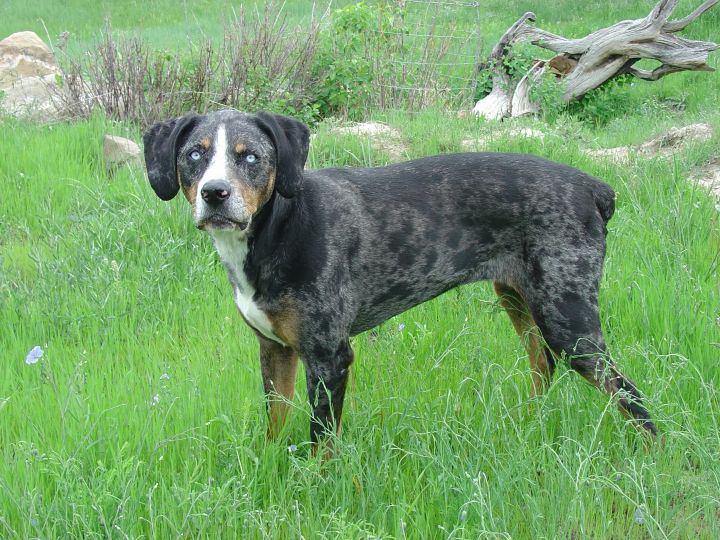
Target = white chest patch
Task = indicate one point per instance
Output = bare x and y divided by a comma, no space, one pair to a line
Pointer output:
233,248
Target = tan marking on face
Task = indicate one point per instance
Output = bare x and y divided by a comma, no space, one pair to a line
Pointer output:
240,148
254,198
190,193
205,143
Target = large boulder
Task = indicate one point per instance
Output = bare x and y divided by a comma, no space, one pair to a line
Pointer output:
28,78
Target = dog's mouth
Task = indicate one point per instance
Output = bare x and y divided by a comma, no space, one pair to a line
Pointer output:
222,222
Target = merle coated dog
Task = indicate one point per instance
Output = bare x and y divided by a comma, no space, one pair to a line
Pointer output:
317,256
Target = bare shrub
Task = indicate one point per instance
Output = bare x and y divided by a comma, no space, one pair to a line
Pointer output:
127,81
366,56
260,63
264,62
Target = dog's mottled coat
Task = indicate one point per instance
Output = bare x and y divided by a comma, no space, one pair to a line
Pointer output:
315,257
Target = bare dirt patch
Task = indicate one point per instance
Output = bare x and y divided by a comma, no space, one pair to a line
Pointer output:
669,144
666,145
709,178
381,137
482,142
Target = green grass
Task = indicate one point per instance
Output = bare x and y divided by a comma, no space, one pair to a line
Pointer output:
440,437
167,24
175,24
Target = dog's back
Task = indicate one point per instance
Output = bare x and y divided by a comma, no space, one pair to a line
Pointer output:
419,228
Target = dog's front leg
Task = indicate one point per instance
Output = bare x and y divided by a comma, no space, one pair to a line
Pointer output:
278,365
327,371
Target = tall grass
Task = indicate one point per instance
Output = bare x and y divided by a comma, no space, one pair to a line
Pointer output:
144,417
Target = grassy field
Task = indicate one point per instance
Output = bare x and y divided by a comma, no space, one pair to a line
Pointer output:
145,418
165,23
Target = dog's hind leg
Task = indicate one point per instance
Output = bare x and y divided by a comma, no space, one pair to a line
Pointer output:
542,364
569,320
279,367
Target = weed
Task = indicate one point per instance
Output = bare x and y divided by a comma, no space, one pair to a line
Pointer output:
260,64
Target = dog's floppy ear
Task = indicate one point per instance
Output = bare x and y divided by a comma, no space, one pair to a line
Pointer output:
292,142
162,143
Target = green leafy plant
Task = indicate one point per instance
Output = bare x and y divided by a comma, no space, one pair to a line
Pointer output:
346,64
605,103
547,92
516,64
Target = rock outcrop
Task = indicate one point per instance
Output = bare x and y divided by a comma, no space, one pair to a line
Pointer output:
28,78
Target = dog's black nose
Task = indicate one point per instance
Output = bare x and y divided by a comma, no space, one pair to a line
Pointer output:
215,192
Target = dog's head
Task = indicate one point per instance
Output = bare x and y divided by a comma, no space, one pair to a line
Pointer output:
227,163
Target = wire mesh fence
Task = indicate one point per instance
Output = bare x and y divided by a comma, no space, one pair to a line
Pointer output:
403,55
431,57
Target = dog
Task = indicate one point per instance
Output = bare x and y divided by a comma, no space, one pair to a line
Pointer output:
315,257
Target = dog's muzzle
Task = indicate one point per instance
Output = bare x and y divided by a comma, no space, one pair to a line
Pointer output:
219,209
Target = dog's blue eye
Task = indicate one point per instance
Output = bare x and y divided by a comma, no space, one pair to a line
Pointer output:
251,158
195,155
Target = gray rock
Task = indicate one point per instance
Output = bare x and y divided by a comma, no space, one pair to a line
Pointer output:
28,78
708,177
118,151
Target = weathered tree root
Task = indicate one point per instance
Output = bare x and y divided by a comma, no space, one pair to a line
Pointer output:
587,63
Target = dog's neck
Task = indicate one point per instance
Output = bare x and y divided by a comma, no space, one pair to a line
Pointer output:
244,253
269,222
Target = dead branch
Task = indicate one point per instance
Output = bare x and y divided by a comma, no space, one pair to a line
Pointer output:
498,104
604,54
676,26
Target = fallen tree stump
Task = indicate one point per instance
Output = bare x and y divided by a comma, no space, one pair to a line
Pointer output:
587,63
